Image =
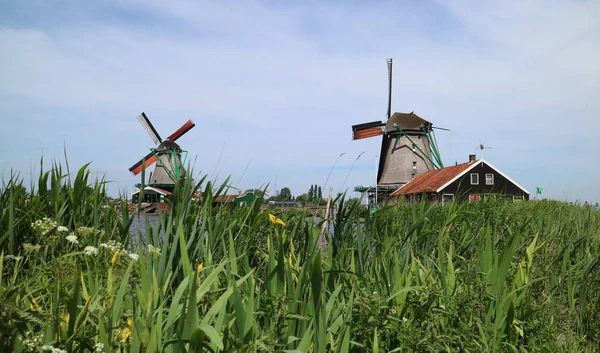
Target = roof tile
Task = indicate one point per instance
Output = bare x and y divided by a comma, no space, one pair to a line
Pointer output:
432,180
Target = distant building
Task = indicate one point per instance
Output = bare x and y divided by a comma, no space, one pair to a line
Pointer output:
151,194
471,181
238,200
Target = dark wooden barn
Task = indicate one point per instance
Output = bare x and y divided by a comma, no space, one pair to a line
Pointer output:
471,181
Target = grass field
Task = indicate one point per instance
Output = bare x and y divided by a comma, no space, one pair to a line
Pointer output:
483,277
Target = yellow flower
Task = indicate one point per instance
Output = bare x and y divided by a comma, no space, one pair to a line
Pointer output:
34,305
275,220
200,266
124,333
114,258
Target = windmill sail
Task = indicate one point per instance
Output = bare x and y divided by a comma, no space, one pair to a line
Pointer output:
181,131
143,119
367,130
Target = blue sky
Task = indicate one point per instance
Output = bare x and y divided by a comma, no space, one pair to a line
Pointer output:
274,87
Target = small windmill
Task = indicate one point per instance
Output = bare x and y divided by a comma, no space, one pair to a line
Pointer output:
169,169
482,147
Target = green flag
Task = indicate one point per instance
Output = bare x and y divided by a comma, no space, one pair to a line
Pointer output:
539,191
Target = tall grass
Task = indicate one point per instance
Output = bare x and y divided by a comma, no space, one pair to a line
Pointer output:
489,276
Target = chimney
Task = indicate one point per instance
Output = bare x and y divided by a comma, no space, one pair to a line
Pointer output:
472,158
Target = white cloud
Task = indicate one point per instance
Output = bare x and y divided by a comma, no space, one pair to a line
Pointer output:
282,85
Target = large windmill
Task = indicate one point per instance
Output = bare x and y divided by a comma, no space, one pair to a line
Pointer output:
169,169
408,146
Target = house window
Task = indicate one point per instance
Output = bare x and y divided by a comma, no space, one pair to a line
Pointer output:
447,198
489,179
474,179
413,175
414,165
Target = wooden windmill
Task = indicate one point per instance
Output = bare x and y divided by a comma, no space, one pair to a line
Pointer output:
169,168
408,145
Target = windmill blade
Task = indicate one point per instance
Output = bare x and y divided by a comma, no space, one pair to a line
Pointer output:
440,128
366,130
143,119
181,131
149,160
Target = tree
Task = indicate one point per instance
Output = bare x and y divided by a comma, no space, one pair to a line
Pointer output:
310,194
285,194
302,198
320,194
257,192
315,195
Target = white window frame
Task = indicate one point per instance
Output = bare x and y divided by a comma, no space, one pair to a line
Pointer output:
443,201
486,178
471,178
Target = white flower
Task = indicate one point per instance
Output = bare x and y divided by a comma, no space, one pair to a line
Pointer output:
134,257
12,257
85,231
154,251
72,238
31,340
90,250
62,229
44,226
31,248
112,246
404,319
52,349
99,347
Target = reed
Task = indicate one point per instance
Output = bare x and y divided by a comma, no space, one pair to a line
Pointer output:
482,277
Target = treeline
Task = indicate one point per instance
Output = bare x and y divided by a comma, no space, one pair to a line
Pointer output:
313,196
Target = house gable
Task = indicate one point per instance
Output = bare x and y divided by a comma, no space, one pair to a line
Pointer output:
462,185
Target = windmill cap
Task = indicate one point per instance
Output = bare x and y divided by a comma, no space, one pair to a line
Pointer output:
406,121
168,145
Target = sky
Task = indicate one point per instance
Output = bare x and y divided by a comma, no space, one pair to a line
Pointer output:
275,86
